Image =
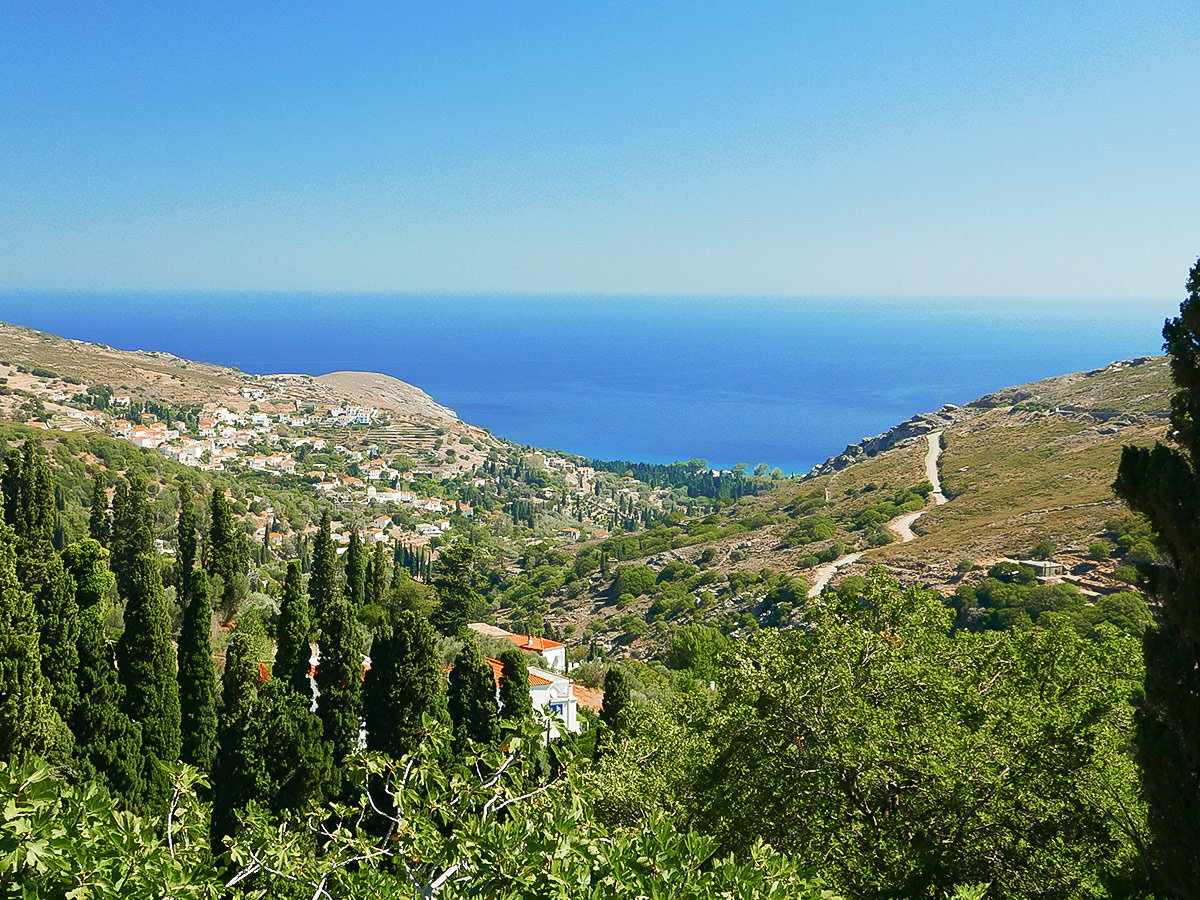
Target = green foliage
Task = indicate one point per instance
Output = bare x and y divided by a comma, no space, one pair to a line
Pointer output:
197,680
59,839
146,661
1162,484
615,710
455,582
29,724
339,679
229,554
472,699
634,580
916,760
323,584
108,744
516,703
292,652
405,686
696,648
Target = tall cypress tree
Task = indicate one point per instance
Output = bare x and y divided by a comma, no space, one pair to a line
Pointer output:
29,723
454,582
186,540
516,703
379,577
197,681
287,749
29,495
292,652
472,698
339,679
147,666
98,519
323,585
53,592
237,774
108,744
229,553
614,709
404,683
1163,483
356,571
132,530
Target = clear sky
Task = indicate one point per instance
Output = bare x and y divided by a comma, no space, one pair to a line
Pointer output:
964,149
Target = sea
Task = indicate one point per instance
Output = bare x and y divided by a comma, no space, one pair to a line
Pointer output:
785,381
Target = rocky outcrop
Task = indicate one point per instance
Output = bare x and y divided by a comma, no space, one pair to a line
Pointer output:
906,431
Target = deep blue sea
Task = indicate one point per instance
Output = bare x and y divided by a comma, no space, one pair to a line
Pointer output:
782,381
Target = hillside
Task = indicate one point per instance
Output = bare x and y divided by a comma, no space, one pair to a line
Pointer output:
1029,464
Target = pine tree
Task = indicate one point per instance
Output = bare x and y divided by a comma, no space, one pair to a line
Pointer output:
186,540
108,744
98,519
323,586
356,571
471,698
229,553
292,653
339,679
147,665
237,775
404,683
197,680
516,703
29,723
454,579
1163,483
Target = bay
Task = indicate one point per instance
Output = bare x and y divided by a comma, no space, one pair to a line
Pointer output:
786,381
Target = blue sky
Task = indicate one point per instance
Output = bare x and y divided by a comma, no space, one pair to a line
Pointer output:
926,149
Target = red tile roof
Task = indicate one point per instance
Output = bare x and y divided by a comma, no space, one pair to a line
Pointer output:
529,642
498,669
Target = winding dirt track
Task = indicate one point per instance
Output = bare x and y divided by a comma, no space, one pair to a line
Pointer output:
901,526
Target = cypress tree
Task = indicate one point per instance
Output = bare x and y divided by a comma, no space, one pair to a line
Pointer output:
380,577
404,683
614,709
516,703
186,539
98,520
454,580
229,553
53,592
132,530
147,665
95,586
292,653
356,571
323,586
108,743
339,679
1163,483
29,723
197,681
32,509
237,775
286,748
471,698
